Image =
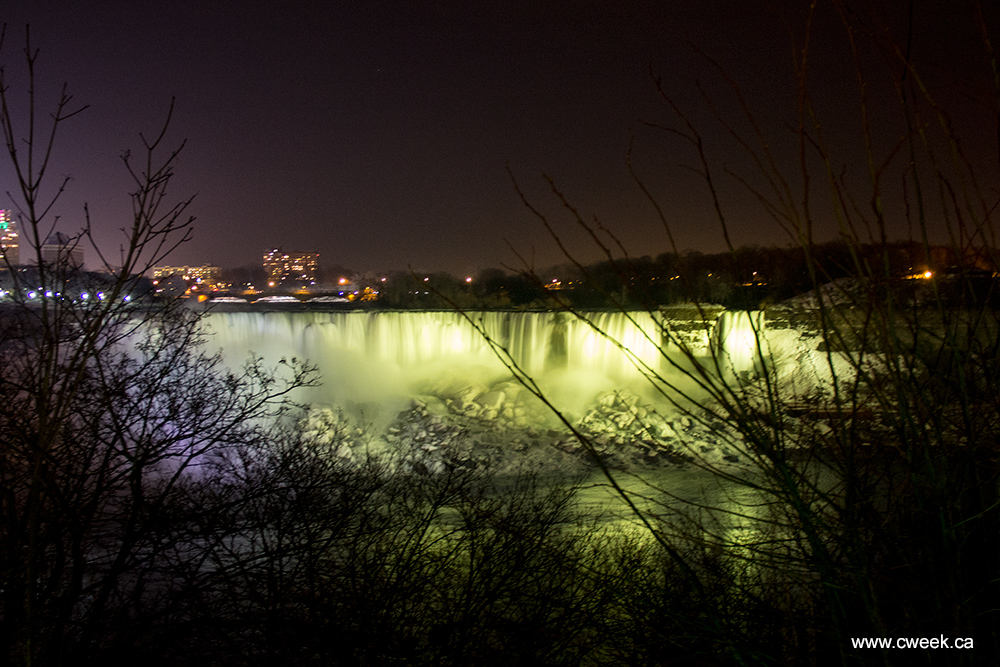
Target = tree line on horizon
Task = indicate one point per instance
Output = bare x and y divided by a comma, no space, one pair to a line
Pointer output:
750,277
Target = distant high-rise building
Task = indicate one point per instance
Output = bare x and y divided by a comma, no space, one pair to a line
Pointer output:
286,267
61,249
11,255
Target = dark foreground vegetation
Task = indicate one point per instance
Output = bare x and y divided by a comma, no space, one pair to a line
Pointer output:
174,515
156,507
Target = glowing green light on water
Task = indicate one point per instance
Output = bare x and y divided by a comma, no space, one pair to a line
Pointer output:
4,225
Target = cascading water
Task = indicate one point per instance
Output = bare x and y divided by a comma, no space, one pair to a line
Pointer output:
738,340
429,384
371,355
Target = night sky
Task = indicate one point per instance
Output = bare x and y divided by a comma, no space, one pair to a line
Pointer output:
378,133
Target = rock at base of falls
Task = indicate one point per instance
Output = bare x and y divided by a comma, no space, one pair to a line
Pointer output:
501,426
625,431
493,400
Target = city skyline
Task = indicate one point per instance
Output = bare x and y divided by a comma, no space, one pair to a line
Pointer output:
381,134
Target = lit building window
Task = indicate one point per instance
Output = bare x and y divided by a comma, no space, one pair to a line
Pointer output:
8,240
206,275
282,267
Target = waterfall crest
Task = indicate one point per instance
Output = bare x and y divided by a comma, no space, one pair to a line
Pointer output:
376,355
535,340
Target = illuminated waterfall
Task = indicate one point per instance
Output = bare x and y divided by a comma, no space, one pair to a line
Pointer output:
737,340
370,355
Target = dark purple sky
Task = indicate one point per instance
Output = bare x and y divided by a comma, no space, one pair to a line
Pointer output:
377,133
